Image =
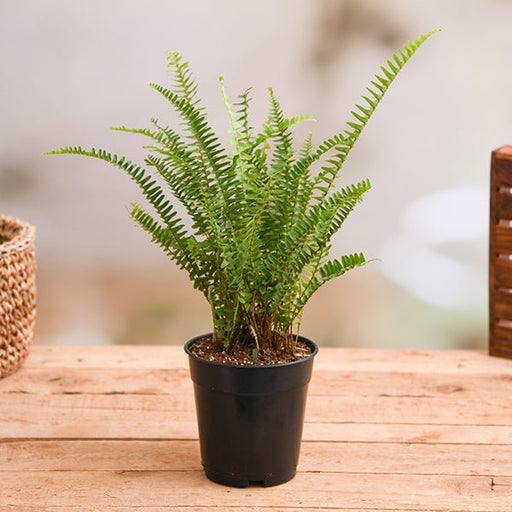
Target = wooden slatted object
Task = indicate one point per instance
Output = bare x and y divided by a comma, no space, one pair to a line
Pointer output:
500,254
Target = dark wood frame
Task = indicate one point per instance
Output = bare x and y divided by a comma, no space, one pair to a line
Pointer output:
500,254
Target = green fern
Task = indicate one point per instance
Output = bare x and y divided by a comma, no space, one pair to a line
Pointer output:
262,221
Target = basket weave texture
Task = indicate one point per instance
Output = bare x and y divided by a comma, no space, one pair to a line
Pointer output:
17,292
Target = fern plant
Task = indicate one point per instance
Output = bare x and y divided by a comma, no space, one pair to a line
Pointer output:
261,220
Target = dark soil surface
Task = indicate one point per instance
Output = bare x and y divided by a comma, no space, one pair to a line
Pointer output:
242,354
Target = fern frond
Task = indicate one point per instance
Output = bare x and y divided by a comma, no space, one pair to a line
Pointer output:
207,144
174,240
292,121
303,188
305,242
151,191
278,177
235,127
361,115
330,270
242,112
184,83
307,147
283,152
140,131
184,174
244,163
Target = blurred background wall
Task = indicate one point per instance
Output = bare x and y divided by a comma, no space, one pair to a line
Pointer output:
70,70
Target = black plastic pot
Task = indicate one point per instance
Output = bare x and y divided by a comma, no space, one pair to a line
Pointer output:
250,418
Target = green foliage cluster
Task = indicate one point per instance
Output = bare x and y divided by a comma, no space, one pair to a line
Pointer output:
262,220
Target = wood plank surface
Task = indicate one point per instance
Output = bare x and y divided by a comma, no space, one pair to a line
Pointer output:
183,455
329,490
64,411
113,428
115,381
335,359
213,508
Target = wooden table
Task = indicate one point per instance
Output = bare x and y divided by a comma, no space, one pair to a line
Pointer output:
113,428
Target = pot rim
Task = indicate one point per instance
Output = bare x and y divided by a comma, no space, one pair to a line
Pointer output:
24,234
260,367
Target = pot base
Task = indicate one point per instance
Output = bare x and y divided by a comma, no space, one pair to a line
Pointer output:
233,480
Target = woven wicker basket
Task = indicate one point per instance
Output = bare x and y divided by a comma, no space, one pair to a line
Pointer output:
17,292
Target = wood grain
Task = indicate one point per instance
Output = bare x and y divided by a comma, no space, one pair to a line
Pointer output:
503,305
503,272
306,490
114,382
500,245
113,428
444,401
213,508
183,455
334,359
503,206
